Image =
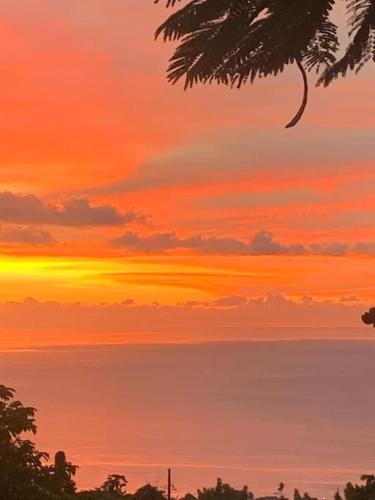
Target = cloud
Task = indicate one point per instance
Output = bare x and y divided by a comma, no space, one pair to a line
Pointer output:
76,212
261,244
350,298
25,235
337,248
261,199
334,248
158,242
230,301
365,248
229,318
314,152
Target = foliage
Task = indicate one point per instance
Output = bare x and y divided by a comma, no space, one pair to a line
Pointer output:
21,464
297,496
188,496
60,475
369,317
98,495
223,491
233,42
361,492
149,492
337,496
115,484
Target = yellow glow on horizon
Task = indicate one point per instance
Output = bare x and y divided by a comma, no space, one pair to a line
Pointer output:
96,280
172,279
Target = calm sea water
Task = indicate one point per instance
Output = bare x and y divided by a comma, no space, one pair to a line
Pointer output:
253,413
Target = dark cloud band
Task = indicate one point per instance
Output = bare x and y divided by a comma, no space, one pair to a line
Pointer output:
262,243
76,212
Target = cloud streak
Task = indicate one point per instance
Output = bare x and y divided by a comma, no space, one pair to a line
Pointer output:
214,316
262,243
76,212
233,152
25,235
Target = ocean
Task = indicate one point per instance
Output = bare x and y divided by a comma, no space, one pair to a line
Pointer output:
253,413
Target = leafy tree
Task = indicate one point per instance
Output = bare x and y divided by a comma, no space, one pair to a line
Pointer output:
369,317
361,492
115,484
337,496
233,42
297,495
98,495
223,491
149,492
188,496
306,496
60,475
280,490
21,464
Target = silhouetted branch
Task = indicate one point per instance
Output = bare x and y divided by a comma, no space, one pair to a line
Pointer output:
302,108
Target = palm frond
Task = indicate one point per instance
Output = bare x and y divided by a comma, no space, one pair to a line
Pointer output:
232,42
194,16
322,48
362,47
169,3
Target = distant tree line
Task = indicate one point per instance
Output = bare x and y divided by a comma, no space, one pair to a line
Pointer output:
26,475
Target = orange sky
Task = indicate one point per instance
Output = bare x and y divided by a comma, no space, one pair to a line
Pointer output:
117,186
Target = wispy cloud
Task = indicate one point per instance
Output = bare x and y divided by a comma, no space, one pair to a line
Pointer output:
229,153
262,243
29,209
25,235
226,311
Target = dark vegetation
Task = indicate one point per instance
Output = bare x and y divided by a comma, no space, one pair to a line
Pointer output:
26,475
233,42
369,317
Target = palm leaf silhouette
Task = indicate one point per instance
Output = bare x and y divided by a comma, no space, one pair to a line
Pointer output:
233,42
362,46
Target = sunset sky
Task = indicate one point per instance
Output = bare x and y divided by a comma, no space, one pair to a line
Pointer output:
156,246
126,203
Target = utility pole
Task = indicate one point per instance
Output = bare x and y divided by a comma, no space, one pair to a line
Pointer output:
169,484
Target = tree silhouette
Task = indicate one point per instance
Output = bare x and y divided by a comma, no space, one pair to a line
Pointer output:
361,492
21,464
61,475
280,490
337,495
115,484
233,42
189,496
149,492
297,496
223,491
369,317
